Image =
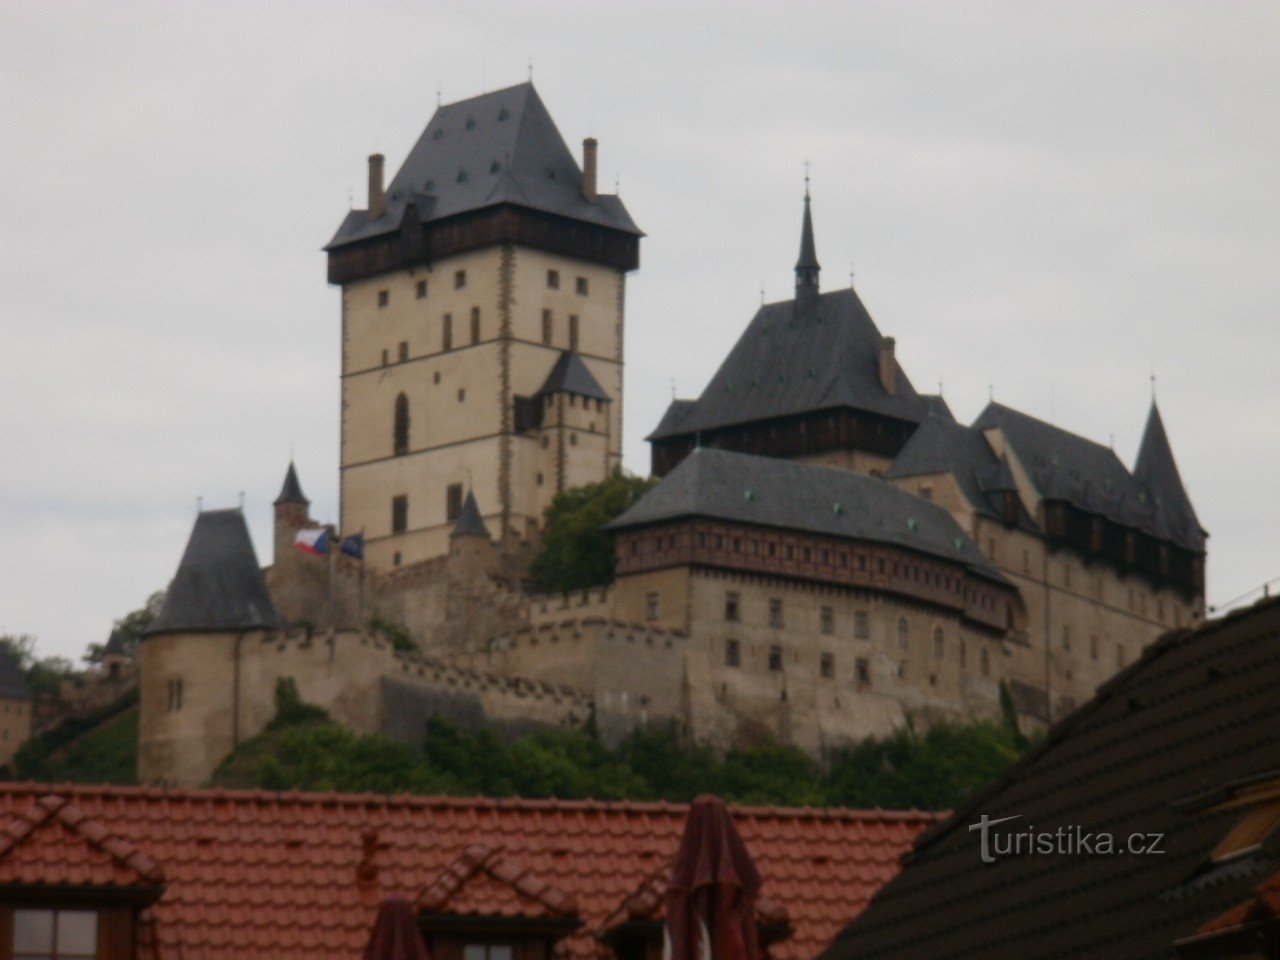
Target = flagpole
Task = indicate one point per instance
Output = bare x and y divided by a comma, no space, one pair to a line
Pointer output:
362,581
329,583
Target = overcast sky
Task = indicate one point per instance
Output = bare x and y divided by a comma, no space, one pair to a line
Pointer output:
1049,200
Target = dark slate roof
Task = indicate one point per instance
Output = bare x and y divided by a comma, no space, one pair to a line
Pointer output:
570,375
1064,466
937,405
469,519
291,491
940,445
500,147
808,259
1150,754
766,491
1157,469
115,645
13,685
671,421
219,585
792,360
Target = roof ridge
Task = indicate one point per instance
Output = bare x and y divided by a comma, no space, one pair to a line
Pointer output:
494,863
58,808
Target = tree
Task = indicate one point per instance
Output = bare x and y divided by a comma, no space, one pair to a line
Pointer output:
44,675
576,550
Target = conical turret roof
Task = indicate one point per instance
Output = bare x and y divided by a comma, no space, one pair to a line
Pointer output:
470,522
291,491
1156,468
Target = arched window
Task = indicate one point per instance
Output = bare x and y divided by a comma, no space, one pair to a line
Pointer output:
400,434
903,633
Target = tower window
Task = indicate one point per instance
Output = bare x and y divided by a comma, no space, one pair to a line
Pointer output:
573,333
422,289
827,665
775,613
446,332
985,662
546,327
553,279
827,620
862,672
399,514
459,279
732,653
403,352
582,286
386,357
174,690
384,297
732,607
400,432
775,657
475,325
462,394
939,643
861,625
452,501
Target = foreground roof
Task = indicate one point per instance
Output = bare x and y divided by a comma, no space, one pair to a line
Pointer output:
766,491
219,585
278,876
1154,753
793,360
499,147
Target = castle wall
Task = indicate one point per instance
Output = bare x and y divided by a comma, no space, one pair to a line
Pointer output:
15,725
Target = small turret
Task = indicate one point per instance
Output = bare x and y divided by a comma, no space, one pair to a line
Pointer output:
472,553
292,513
807,266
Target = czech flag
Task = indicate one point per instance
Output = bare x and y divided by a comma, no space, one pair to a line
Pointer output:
353,546
312,541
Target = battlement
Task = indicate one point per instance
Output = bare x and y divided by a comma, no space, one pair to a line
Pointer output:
552,608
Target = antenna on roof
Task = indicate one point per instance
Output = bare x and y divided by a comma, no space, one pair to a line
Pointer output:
438,93
242,501
991,393
850,274
351,199
199,504
673,388
806,179
1153,386
617,184
531,68
762,293
939,386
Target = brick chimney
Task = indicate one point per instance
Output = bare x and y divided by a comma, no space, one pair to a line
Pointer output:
377,199
589,146
888,367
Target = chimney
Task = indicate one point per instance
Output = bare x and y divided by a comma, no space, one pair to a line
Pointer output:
589,168
377,199
888,368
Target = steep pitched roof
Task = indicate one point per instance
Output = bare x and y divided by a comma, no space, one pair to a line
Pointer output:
115,645
1156,468
1064,466
570,374
219,585
470,522
793,360
484,881
13,684
291,490
499,147
288,876
1197,711
769,492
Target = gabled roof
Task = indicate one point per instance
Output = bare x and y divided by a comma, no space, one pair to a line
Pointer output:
470,522
769,492
1065,466
1156,468
793,360
484,882
291,490
219,585
499,147
1197,712
13,683
570,374
290,876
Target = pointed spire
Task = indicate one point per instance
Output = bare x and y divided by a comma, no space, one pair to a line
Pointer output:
1156,468
470,522
291,491
807,265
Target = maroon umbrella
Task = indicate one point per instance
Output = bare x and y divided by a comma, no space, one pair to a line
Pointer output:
712,896
395,933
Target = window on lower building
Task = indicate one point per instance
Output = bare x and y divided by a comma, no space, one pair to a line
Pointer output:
400,429
732,607
546,327
386,357
446,332
459,279
55,934
861,625
487,951
452,501
384,297
573,333
775,657
652,605
403,351
732,653
553,279
862,671
984,662
827,620
399,514
827,665
174,689
422,289
775,613
581,286
475,325
939,643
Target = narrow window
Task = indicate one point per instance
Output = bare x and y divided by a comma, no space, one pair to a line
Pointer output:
827,665
775,613
546,327
459,279
582,286
446,332
732,653
399,514
462,394
453,501
422,289
904,634
173,689
652,606
475,325
827,620
861,625
403,351
384,297
553,279
775,657
985,662
1066,636
386,357
573,333
400,433
862,672
939,644
732,610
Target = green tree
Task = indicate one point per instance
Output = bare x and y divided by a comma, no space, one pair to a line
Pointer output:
130,628
576,550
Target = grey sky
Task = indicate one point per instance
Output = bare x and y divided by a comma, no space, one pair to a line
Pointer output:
1052,198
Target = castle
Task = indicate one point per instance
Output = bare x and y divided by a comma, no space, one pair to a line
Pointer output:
828,552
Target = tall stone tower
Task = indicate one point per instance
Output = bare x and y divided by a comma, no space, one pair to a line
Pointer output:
483,300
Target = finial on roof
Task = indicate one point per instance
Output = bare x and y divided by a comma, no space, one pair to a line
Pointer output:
807,266
991,393
1153,387
531,68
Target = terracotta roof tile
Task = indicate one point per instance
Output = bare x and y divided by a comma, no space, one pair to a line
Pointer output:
250,871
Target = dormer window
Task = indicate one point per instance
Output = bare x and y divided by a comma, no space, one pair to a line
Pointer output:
55,934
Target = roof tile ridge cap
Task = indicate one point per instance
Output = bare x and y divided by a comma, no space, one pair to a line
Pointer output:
23,824
436,894
526,881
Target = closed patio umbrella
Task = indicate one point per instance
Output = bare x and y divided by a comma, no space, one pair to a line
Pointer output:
395,933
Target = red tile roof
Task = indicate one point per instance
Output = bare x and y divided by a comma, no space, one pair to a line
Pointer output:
1262,905
279,876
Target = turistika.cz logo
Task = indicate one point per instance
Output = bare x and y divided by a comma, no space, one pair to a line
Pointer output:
1064,841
